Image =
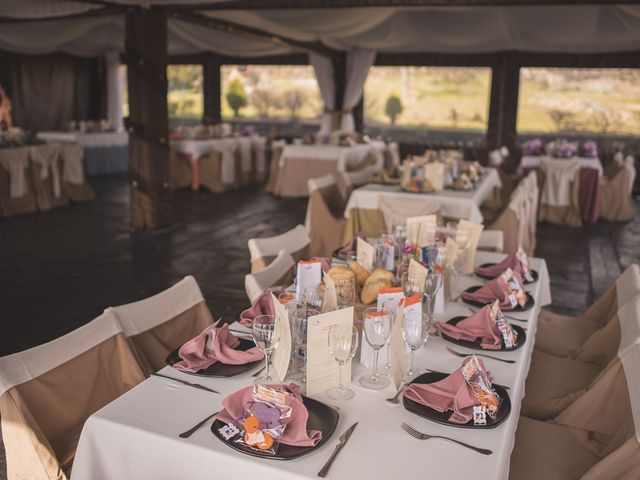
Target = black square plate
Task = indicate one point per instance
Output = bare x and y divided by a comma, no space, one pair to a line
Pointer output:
527,306
522,337
534,274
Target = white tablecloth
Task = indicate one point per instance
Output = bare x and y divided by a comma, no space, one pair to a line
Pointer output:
346,158
453,203
89,140
136,436
533,161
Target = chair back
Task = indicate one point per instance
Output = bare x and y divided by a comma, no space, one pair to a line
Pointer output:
295,242
157,325
324,219
279,272
49,391
46,176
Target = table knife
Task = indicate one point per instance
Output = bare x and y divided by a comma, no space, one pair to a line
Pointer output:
184,382
344,438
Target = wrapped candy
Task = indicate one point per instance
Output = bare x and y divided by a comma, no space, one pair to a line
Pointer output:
478,379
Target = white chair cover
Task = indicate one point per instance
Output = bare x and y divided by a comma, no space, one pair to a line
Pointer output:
72,167
556,191
256,283
227,148
259,144
47,157
245,145
292,241
15,160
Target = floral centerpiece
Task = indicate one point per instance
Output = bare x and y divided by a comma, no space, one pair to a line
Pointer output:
561,148
532,147
589,149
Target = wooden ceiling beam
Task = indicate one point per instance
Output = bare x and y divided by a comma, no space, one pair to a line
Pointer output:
98,12
237,28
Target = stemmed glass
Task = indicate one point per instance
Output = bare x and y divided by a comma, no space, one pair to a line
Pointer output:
410,286
313,298
432,284
345,294
462,240
292,305
377,330
299,332
343,344
415,331
266,335
400,236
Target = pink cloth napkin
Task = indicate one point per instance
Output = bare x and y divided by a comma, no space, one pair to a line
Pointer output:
496,289
493,271
451,393
351,246
262,306
211,346
324,261
479,325
295,433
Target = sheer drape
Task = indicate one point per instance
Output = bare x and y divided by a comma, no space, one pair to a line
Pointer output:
323,69
359,61
114,92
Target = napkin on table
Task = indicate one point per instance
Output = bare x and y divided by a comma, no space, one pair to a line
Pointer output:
479,325
350,247
211,346
295,433
493,271
496,289
262,306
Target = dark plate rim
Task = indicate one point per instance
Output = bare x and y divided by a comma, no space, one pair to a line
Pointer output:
309,403
203,373
528,306
534,273
522,338
422,410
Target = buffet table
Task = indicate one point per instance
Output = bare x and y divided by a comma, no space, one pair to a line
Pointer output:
136,436
300,163
105,152
362,207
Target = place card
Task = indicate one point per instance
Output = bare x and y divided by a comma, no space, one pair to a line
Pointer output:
309,275
397,348
388,298
330,301
421,230
434,172
365,254
282,353
473,231
417,272
323,372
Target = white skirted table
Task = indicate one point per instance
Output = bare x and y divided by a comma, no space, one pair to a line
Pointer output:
300,163
105,152
533,161
136,436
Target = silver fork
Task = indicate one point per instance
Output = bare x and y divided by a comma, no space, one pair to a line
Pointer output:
396,397
190,432
458,354
424,436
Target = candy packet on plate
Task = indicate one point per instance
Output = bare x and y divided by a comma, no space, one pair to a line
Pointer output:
478,379
509,335
524,265
516,294
262,422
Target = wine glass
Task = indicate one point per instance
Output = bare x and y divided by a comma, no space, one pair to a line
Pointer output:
313,298
266,335
291,305
415,332
432,284
343,343
410,286
299,332
345,294
462,241
377,330
400,236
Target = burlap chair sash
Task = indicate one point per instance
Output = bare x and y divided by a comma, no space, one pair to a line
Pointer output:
325,220
48,392
181,175
16,161
264,250
211,173
274,168
616,203
75,184
159,324
46,176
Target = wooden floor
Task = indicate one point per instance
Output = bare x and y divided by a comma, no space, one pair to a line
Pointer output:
59,270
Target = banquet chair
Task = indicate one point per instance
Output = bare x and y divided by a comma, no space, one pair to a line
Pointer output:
553,380
180,172
616,202
49,391
157,325
46,176
245,154
560,334
274,168
559,196
295,242
325,221
211,172
16,190
74,182
258,146
491,241
597,422
279,272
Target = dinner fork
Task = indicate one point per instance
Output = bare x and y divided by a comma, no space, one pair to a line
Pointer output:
425,436
458,354
396,397
190,432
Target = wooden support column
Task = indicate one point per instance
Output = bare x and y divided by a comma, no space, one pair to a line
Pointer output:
503,109
146,54
212,89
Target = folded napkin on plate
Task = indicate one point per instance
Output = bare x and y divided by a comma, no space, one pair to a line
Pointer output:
351,246
262,306
496,289
211,346
481,325
451,393
513,261
295,433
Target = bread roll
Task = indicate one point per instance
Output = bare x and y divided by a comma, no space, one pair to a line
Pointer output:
360,273
378,280
341,274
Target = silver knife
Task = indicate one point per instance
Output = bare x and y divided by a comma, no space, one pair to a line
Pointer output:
194,385
343,441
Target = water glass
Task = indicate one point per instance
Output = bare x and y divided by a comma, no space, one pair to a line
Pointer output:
266,336
299,332
345,294
377,330
410,286
313,298
343,343
415,332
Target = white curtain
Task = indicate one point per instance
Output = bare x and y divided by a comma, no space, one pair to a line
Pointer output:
359,61
114,92
323,69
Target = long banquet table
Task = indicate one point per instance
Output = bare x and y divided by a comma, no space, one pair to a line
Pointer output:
136,436
533,161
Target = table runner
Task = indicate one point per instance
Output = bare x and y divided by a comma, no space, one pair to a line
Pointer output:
136,436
